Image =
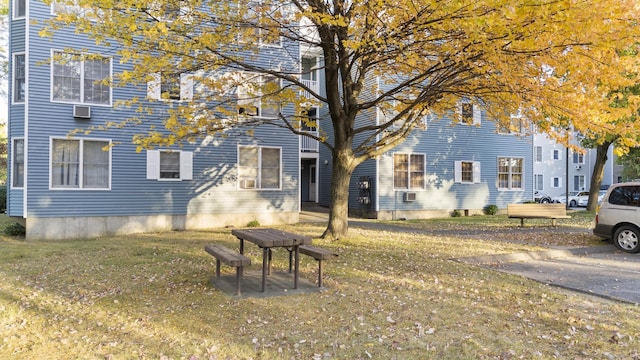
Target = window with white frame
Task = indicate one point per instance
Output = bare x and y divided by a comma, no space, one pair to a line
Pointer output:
555,154
510,173
19,78
538,153
579,182
408,171
255,95
578,157
259,167
81,78
80,164
467,171
538,182
176,165
170,86
17,163
469,113
19,8
260,24
515,126
556,182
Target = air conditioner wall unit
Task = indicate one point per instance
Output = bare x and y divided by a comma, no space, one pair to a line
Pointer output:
578,167
82,111
409,196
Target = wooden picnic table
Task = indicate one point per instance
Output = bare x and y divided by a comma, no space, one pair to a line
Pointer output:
268,239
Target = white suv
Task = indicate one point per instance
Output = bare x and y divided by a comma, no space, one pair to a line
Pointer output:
618,217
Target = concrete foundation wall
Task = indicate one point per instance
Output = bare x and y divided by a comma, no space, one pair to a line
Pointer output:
91,227
423,214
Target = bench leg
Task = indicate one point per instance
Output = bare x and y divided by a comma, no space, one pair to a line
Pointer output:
296,269
319,273
265,260
269,265
238,280
218,268
290,259
553,222
521,222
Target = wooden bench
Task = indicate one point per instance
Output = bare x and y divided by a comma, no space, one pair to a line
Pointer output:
317,253
537,211
231,258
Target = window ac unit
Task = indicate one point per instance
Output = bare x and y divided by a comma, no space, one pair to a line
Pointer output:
81,111
578,167
409,196
248,184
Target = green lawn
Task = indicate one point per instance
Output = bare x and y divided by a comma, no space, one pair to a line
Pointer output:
390,295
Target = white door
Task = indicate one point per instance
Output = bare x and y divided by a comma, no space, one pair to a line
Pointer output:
313,188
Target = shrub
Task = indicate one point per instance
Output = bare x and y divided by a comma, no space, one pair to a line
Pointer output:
490,209
253,223
15,229
456,213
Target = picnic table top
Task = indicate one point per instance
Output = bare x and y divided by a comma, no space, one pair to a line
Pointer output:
266,237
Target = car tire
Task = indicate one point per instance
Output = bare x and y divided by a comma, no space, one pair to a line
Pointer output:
627,239
545,201
572,203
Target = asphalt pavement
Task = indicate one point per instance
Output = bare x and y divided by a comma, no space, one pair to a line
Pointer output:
599,270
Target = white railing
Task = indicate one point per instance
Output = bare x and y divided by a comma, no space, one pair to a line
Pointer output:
309,144
311,84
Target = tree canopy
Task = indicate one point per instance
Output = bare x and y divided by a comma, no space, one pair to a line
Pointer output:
547,60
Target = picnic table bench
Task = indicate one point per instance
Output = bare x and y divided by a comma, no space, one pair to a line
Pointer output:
317,253
231,258
537,211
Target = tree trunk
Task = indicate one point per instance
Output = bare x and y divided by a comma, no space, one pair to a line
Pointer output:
342,169
597,175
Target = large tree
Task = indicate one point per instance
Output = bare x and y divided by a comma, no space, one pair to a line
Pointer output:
548,60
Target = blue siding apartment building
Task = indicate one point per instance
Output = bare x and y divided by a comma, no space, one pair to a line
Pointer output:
93,184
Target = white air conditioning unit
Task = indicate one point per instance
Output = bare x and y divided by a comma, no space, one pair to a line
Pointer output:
409,196
248,184
82,111
578,167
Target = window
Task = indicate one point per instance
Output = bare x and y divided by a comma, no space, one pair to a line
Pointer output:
80,164
259,167
510,173
625,195
260,23
173,165
408,171
515,126
556,182
578,182
170,86
538,182
555,154
254,95
538,153
467,171
19,78
578,158
17,172
81,78
19,8
469,113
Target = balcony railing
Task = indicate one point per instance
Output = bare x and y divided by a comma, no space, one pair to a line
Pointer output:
309,144
311,84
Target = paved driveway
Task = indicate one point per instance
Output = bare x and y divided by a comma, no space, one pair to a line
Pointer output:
600,270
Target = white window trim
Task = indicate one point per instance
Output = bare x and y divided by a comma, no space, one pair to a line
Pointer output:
80,169
535,182
553,152
14,10
477,114
559,182
458,172
258,185
538,150
424,172
13,79
24,162
154,88
81,101
246,77
153,165
510,188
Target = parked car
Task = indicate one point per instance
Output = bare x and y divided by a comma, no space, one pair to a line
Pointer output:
618,216
584,200
541,198
573,198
